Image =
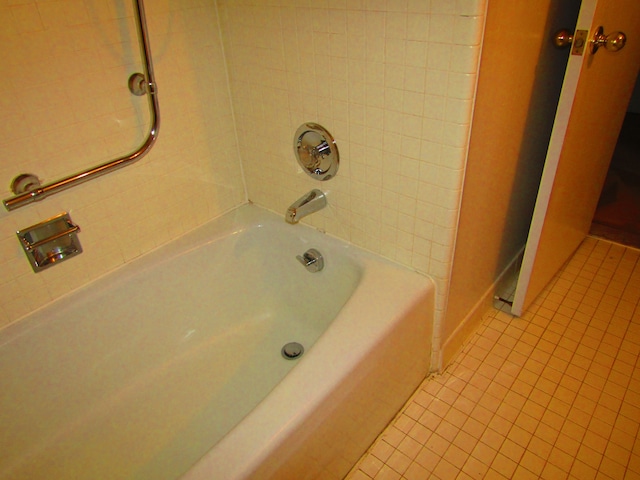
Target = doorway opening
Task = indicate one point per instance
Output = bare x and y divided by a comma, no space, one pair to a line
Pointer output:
617,217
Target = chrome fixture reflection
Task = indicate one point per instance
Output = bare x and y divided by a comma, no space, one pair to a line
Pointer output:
307,204
50,242
316,151
312,260
144,83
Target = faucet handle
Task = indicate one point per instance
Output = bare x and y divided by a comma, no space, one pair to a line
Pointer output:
312,260
316,151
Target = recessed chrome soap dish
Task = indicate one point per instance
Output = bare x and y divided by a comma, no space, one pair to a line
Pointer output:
316,151
50,242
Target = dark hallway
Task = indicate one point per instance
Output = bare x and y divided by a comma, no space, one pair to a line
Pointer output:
617,217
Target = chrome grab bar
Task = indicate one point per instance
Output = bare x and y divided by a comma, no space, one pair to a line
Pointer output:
44,191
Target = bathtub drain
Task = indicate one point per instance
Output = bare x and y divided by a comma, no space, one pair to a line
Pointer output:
292,350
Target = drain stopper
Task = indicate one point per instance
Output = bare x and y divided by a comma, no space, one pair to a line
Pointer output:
292,350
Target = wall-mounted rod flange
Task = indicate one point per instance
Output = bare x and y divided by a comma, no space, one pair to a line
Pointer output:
138,84
25,182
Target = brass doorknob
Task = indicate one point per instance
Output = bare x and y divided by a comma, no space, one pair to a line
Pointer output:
562,38
613,42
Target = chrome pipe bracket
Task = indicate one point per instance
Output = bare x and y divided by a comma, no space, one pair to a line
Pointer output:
50,242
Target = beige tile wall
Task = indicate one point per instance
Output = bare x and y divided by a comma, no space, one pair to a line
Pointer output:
64,105
393,81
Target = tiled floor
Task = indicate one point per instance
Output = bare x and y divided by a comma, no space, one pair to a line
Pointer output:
555,394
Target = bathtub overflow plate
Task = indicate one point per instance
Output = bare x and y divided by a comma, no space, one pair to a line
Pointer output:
292,350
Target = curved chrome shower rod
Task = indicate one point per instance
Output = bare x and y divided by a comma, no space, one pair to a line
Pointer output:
44,191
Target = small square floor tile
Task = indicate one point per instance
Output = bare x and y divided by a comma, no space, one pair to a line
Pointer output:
554,394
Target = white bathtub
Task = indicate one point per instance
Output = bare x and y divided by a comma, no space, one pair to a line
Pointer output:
171,366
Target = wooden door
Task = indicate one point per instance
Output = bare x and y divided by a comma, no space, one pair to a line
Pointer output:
591,109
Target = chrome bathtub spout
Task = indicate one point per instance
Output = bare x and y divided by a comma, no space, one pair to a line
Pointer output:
307,204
